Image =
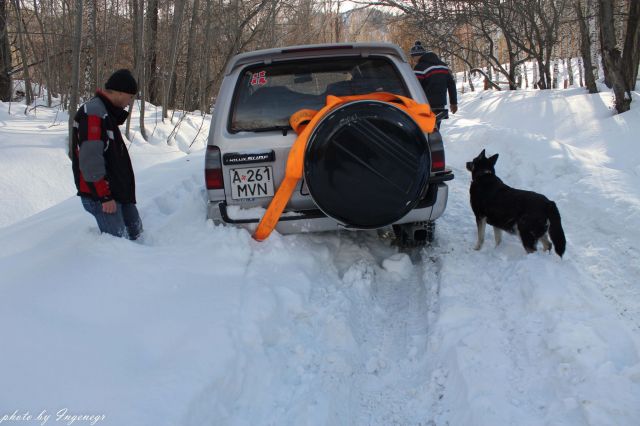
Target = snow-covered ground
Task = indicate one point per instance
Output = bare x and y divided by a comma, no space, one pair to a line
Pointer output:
200,325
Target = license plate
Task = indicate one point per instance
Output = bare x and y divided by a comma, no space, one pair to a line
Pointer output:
251,182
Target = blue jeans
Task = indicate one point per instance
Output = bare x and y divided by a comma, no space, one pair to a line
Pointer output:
125,222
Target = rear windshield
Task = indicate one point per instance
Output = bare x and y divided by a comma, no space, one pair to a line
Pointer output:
267,95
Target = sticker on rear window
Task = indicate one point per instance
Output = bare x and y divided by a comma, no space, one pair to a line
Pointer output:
259,78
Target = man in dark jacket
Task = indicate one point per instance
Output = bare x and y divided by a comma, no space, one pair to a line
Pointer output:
101,164
436,79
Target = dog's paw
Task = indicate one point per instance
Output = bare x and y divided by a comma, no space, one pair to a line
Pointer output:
477,247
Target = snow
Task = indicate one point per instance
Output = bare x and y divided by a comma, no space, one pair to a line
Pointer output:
200,325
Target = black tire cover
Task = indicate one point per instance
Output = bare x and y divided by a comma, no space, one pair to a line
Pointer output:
366,164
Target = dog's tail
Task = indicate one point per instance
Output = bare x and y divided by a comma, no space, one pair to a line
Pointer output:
555,228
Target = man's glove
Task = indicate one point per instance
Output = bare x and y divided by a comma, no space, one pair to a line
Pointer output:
453,108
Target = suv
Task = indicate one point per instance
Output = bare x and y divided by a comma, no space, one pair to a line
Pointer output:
367,165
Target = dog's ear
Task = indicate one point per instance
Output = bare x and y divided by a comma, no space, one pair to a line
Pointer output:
493,159
482,154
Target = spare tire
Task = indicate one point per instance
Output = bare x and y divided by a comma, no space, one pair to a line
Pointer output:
367,164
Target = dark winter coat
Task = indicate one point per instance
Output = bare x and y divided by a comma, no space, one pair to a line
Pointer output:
101,164
435,79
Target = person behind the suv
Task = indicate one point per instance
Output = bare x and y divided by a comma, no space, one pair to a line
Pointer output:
436,79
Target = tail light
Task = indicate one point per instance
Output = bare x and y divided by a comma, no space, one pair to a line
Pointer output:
213,168
437,161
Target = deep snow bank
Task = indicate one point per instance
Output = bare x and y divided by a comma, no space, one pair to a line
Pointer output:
200,325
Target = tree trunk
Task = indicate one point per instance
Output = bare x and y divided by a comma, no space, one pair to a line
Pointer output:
631,53
611,56
513,85
140,71
151,74
543,78
594,37
5,56
190,97
137,42
585,49
580,75
206,60
547,69
75,71
173,55
90,64
23,54
45,47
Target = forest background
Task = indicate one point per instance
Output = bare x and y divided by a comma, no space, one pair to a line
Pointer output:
62,50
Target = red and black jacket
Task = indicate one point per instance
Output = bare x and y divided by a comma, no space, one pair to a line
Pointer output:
101,163
436,79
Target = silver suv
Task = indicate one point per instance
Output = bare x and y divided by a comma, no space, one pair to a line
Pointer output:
367,165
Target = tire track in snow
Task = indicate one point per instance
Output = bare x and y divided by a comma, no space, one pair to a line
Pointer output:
340,336
393,304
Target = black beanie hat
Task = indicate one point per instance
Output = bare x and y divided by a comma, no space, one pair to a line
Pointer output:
418,49
122,81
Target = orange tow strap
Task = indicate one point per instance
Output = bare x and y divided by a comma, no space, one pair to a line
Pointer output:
303,122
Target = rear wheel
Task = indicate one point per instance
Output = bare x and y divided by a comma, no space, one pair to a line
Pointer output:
415,234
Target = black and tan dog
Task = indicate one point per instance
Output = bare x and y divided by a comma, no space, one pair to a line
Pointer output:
526,213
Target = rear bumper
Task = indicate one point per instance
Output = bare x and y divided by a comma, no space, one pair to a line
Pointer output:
431,208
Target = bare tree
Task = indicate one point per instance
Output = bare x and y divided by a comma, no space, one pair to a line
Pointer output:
140,67
239,25
190,97
137,50
151,31
90,51
594,35
5,56
631,56
539,21
612,56
494,20
46,51
585,47
75,70
173,55
205,62
23,53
